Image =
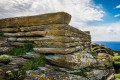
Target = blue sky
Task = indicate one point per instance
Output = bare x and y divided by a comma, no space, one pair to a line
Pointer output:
100,17
110,8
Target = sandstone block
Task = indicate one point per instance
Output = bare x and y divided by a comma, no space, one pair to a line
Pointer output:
58,50
58,44
50,18
45,39
22,34
10,29
54,27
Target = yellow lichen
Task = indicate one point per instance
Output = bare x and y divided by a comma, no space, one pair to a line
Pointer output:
41,77
77,56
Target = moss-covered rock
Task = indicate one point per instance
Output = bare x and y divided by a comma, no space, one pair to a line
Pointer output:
95,48
116,60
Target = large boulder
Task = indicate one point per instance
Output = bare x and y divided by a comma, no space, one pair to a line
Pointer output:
74,61
77,66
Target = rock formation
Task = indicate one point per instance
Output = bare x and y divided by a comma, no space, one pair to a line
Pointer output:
67,49
50,33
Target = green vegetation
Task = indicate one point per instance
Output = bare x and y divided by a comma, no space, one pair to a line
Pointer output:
116,60
95,48
117,76
1,34
21,50
5,58
31,64
93,53
82,72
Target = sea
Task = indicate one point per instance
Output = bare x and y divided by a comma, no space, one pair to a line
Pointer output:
114,45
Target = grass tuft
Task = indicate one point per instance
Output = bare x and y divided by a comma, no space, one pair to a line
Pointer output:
21,50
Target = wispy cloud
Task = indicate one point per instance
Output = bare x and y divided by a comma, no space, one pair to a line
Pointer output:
117,15
81,10
108,32
117,6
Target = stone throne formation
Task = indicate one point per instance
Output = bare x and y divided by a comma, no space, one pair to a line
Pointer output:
67,48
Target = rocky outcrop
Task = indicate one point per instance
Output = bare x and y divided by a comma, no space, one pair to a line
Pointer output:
77,66
67,50
50,33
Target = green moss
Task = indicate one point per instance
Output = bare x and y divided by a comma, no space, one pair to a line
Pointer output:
5,58
116,60
21,50
117,76
93,53
1,34
28,47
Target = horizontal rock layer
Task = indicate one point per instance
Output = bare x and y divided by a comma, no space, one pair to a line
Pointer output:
58,50
44,28
48,39
49,33
50,18
60,44
45,33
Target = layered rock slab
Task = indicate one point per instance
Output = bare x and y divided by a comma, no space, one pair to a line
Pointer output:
51,18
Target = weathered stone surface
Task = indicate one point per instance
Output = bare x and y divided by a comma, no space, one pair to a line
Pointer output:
51,18
77,66
10,29
58,50
104,60
49,39
5,49
46,33
3,41
14,65
53,27
31,55
22,34
74,61
51,73
97,74
59,44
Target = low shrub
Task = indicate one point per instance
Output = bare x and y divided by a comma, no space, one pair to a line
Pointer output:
1,34
117,76
116,60
5,58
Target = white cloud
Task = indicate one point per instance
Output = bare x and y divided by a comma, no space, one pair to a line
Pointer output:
81,10
118,6
109,32
117,15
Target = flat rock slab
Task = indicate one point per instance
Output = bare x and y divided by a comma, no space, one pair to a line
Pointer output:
57,44
44,19
47,39
75,61
58,50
